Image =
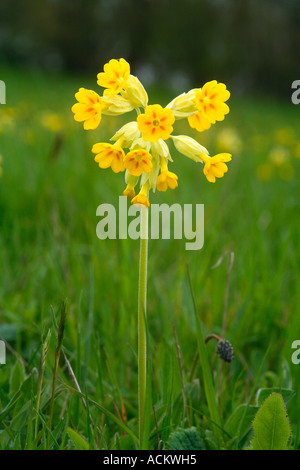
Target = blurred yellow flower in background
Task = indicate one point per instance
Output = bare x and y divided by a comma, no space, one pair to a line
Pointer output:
52,121
228,139
296,151
286,136
7,119
279,155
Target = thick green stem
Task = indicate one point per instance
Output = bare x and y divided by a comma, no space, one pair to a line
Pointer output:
142,306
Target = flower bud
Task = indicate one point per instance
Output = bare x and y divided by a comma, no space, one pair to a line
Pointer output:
129,133
160,149
135,93
116,104
189,147
184,105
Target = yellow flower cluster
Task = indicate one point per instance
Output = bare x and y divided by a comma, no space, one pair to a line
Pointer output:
148,155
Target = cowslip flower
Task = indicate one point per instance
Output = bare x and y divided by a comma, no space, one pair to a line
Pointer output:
199,121
215,167
115,76
138,161
166,179
109,155
88,109
210,100
142,197
139,147
203,106
156,123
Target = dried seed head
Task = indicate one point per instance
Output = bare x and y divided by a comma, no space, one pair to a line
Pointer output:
225,350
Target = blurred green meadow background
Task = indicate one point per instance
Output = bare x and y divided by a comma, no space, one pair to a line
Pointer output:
50,188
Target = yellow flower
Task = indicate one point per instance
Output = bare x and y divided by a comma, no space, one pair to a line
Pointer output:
115,76
166,179
52,122
109,155
88,108
215,167
147,138
138,161
156,123
210,100
199,121
142,197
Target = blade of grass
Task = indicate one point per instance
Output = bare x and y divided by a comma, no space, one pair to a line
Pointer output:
40,377
107,413
60,335
207,378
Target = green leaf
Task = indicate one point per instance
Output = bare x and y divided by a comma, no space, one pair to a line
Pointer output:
264,393
78,441
241,419
20,420
271,425
184,439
